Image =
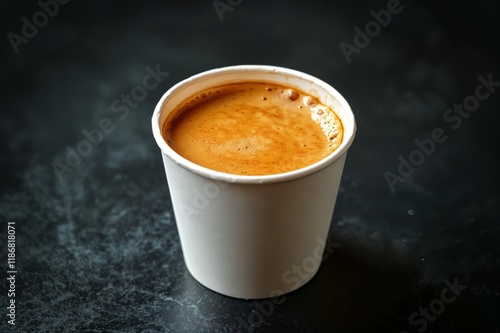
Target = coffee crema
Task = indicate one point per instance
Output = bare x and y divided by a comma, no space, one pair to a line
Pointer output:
253,128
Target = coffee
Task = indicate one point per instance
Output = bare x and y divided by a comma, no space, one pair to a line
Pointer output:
253,128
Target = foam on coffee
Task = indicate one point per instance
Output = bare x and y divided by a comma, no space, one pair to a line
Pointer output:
253,128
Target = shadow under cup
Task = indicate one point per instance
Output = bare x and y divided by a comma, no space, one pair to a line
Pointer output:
247,236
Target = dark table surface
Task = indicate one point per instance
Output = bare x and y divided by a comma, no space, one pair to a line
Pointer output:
416,223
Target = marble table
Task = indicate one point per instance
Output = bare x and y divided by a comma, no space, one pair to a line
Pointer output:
415,231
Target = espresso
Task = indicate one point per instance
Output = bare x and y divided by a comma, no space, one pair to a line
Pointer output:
253,128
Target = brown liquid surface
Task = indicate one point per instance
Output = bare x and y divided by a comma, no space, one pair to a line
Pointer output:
253,128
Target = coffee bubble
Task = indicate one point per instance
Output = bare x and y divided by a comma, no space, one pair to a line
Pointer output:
292,94
310,101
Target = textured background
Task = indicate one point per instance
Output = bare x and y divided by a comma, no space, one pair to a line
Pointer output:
98,251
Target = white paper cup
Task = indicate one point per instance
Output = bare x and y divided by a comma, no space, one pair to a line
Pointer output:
253,236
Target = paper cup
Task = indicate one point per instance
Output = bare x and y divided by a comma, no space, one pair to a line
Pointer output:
253,236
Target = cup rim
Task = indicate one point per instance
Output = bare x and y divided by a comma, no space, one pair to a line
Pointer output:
348,118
